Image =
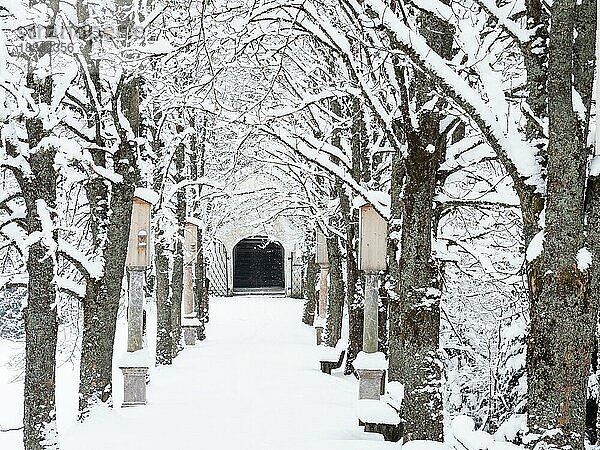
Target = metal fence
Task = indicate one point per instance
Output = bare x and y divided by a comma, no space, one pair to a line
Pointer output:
216,268
297,278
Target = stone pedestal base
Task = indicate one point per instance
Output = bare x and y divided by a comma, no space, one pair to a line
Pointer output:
189,335
319,331
135,386
370,384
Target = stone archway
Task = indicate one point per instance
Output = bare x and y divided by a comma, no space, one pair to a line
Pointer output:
258,265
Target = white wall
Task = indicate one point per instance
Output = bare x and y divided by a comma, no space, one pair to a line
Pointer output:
280,230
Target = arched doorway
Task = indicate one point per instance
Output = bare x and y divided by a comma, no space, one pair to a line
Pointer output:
258,265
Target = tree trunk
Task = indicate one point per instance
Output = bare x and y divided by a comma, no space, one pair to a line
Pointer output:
164,329
101,308
583,80
177,295
335,302
164,336
41,325
101,304
349,222
414,358
201,295
312,272
197,169
354,294
414,344
562,311
335,293
361,171
394,234
40,315
593,244
177,276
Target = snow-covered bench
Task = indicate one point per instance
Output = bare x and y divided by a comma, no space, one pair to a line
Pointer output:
383,416
332,357
328,366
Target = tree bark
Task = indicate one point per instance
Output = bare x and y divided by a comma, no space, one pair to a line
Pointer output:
177,276
335,299
310,305
382,317
201,294
40,315
415,314
414,358
394,235
583,81
335,293
562,311
593,244
101,303
354,292
197,166
164,335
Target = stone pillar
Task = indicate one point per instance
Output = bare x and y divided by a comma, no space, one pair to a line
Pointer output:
136,361
190,326
134,379
371,364
369,387
323,291
135,310
372,238
134,364
188,290
322,305
371,369
189,257
189,335
371,313
190,322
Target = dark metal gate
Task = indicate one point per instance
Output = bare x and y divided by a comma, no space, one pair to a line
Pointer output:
216,269
297,275
258,263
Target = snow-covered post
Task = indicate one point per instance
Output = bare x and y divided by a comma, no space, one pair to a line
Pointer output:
135,362
371,322
190,322
371,364
189,254
138,259
135,309
322,259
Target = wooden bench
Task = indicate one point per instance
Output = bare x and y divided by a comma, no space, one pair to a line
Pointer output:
328,366
390,433
384,419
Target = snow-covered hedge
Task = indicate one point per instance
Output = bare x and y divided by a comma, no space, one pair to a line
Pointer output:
463,436
11,321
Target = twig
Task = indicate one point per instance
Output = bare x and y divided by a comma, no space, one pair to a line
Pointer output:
4,430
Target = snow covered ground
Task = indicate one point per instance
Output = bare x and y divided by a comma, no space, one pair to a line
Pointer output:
254,384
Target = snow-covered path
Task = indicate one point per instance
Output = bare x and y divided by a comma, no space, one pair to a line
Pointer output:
253,384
